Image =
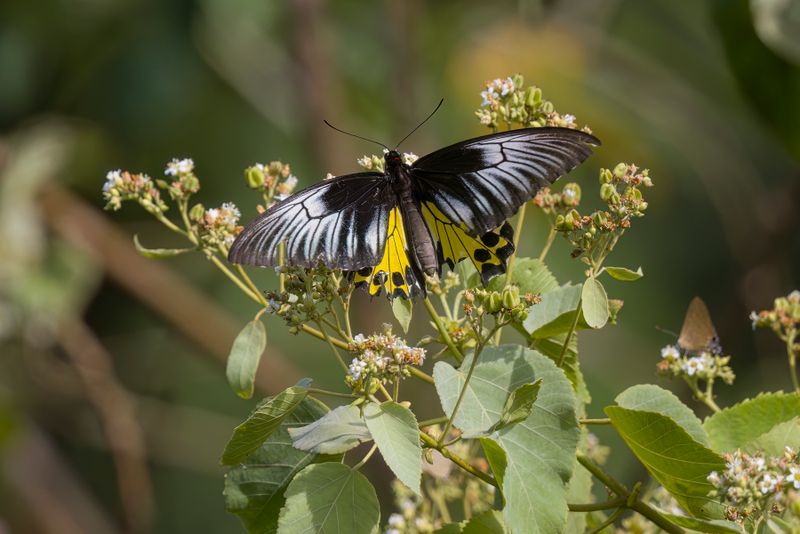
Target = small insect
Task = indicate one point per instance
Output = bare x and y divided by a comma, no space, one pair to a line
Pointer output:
390,229
698,333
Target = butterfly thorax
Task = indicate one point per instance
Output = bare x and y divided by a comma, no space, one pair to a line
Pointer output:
419,237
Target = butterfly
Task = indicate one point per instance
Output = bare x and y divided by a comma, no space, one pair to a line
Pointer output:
698,333
389,229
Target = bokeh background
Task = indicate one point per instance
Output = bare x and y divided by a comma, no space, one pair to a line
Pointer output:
113,400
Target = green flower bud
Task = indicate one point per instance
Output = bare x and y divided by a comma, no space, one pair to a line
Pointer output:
495,303
605,176
547,107
197,212
620,170
254,177
191,184
560,221
607,190
511,297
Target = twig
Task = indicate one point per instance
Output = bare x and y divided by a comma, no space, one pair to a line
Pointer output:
460,462
443,331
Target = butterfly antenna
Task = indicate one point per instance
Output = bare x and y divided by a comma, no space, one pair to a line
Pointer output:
420,124
354,135
665,331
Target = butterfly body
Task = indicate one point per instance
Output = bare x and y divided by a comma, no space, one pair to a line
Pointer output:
390,229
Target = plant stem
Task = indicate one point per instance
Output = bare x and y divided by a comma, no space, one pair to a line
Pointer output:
442,330
331,393
790,339
631,499
551,237
434,421
319,335
571,330
610,521
460,462
333,347
425,377
517,233
257,297
366,458
595,506
247,279
587,421
461,393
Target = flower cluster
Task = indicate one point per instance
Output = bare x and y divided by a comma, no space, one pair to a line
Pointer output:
304,291
376,163
217,227
783,318
507,101
439,286
597,233
702,365
185,183
507,304
754,484
380,358
122,185
274,180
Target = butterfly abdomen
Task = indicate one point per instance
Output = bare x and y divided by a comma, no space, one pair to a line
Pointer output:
419,237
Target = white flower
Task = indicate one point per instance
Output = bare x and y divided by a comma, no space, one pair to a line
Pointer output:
409,158
760,463
768,484
392,531
179,166
281,196
357,367
291,181
793,477
569,119
365,161
211,216
330,176
407,505
734,467
670,352
754,319
113,179
385,150
396,521
694,365
505,86
229,214
359,338
794,296
713,478
571,194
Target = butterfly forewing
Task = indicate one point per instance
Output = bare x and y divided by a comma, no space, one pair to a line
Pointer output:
697,332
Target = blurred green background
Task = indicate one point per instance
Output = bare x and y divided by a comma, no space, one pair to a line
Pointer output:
113,400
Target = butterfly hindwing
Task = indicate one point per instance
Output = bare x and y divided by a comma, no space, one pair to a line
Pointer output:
481,182
396,272
340,222
488,253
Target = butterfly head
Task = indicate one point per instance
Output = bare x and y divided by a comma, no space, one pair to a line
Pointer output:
392,159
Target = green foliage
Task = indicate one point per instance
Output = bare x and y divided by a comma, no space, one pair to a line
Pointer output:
780,436
650,398
531,275
540,448
244,358
330,498
336,432
401,308
742,423
256,429
490,522
624,274
158,253
594,303
555,313
713,526
394,429
518,405
672,456
254,490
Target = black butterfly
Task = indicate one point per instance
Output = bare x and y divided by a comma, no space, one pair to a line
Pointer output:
391,228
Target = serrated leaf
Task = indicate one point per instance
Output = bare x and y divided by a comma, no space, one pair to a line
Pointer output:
530,274
267,417
395,431
651,398
254,490
715,526
158,253
773,442
401,308
555,313
594,303
244,358
518,405
672,456
330,498
738,425
624,274
338,431
489,522
540,450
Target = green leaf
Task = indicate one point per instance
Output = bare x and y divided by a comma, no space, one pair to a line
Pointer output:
254,491
715,526
338,431
530,274
738,425
540,448
395,431
579,489
245,355
496,457
450,528
489,522
267,417
786,434
555,313
672,456
330,498
595,303
158,253
650,398
518,405
624,274
401,308
552,348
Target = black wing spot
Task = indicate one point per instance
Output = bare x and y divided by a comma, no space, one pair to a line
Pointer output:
490,239
397,279
365,271
481,254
